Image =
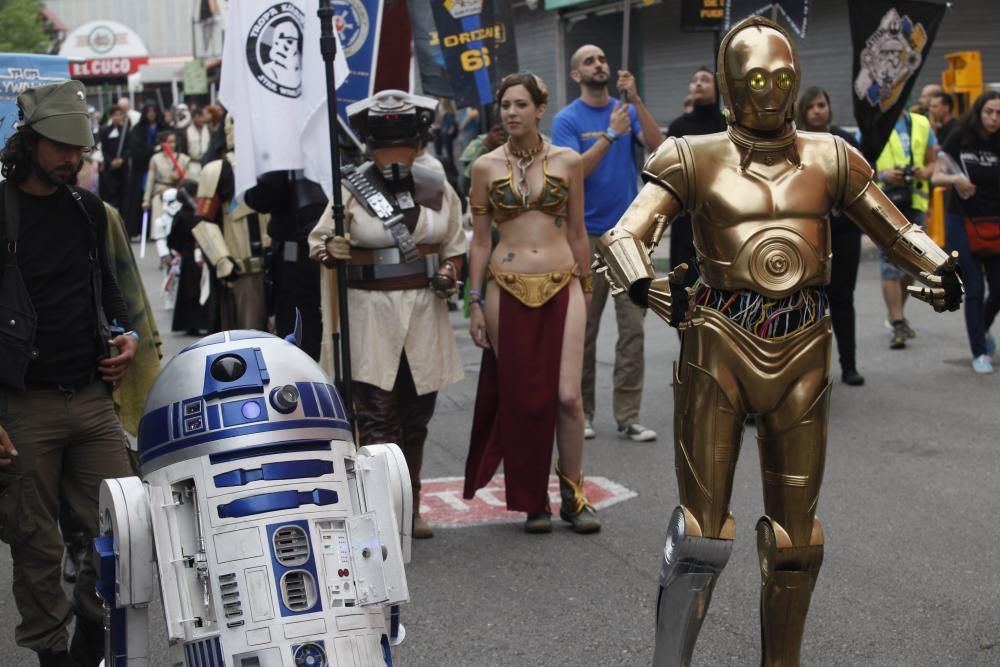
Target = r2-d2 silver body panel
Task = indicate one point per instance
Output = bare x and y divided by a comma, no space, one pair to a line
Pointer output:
277,544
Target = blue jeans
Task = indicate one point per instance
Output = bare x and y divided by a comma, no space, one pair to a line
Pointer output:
889,271
980,311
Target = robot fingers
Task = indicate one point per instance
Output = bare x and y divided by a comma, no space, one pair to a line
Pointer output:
935,296
676,277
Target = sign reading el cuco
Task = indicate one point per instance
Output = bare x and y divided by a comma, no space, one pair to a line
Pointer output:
106,67
104,49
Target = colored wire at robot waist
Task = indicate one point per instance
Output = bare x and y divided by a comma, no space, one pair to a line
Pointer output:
761,315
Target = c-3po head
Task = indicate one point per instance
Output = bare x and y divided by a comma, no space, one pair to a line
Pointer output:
758,75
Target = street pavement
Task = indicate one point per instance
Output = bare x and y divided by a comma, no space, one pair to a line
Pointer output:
910,509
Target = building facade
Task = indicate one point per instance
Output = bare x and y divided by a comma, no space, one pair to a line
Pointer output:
141,52
663,57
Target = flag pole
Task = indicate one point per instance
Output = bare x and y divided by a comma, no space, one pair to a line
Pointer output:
328,47
626,38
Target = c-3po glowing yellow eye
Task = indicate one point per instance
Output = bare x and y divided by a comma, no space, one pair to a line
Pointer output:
757,80
784,80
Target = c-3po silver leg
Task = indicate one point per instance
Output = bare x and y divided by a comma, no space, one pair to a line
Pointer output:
691,565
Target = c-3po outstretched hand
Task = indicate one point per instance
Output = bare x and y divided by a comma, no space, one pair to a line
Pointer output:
943,288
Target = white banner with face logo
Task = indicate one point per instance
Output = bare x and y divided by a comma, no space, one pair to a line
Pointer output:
264,86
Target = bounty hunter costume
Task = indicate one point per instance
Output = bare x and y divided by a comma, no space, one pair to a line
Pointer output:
407,246
233,237
757,340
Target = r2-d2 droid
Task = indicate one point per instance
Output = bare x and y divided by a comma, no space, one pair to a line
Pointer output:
277,544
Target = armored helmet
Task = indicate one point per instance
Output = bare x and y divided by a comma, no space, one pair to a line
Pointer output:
392,118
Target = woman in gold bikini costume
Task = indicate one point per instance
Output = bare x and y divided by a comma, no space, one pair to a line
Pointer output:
531,322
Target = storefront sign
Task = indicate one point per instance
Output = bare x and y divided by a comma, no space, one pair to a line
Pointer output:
699,15
103,39
106,68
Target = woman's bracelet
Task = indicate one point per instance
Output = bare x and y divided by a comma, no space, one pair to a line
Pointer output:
587,283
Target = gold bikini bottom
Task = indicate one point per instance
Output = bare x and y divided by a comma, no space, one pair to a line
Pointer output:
533,289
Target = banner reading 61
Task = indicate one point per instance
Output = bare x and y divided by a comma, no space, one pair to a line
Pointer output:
467,35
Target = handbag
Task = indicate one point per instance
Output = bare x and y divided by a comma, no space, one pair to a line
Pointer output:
18,320
983,233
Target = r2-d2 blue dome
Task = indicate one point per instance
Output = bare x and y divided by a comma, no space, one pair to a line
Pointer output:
237,392
276,543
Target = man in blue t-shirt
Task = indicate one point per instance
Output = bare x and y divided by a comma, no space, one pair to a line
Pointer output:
605,131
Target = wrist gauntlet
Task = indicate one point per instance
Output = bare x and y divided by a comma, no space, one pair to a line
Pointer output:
623,259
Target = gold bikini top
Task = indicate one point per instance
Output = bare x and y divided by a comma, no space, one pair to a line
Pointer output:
507,203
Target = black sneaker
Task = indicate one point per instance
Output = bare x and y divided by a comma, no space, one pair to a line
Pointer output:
897,341
852,377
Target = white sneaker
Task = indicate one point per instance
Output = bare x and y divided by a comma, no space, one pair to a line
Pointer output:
636,432
982,364
588,430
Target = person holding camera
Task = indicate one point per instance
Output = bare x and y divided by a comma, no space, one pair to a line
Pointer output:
63,350
904,170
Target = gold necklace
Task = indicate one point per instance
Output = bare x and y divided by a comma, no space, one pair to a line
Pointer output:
527,152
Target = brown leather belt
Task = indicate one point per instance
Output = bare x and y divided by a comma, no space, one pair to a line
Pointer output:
415,281
368,255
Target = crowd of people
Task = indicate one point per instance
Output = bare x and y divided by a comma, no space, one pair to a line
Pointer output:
537,207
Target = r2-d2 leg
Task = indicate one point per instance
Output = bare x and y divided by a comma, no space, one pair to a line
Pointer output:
125,568
691,564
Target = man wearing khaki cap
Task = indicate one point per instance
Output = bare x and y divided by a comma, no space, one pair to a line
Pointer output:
62,352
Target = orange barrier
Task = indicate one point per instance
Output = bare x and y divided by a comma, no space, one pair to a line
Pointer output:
935,216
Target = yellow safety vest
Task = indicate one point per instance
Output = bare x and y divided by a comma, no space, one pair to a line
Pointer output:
893,157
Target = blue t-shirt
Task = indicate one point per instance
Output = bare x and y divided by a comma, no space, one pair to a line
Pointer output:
612,186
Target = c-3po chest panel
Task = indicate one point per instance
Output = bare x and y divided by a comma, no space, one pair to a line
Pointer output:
772,237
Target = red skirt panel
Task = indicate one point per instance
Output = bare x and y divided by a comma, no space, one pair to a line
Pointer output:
517,403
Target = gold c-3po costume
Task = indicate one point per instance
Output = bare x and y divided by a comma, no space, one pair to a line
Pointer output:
756,339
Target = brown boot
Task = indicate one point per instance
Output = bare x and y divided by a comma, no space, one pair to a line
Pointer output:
421,529
576,510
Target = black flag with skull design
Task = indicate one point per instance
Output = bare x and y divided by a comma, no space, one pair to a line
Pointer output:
891,40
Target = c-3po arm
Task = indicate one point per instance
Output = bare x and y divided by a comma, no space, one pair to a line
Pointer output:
623,253
905,244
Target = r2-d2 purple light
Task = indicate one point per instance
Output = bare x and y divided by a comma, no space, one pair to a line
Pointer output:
276,543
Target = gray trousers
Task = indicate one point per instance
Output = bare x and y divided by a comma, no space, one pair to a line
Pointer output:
67,442
629,355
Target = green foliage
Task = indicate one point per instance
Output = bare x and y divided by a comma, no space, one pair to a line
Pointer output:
21,28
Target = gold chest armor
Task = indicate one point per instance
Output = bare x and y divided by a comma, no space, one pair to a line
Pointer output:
760,220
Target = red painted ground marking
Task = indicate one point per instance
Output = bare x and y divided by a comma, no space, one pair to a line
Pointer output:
441,502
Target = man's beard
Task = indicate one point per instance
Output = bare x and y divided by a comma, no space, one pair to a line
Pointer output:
55,178
593,84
